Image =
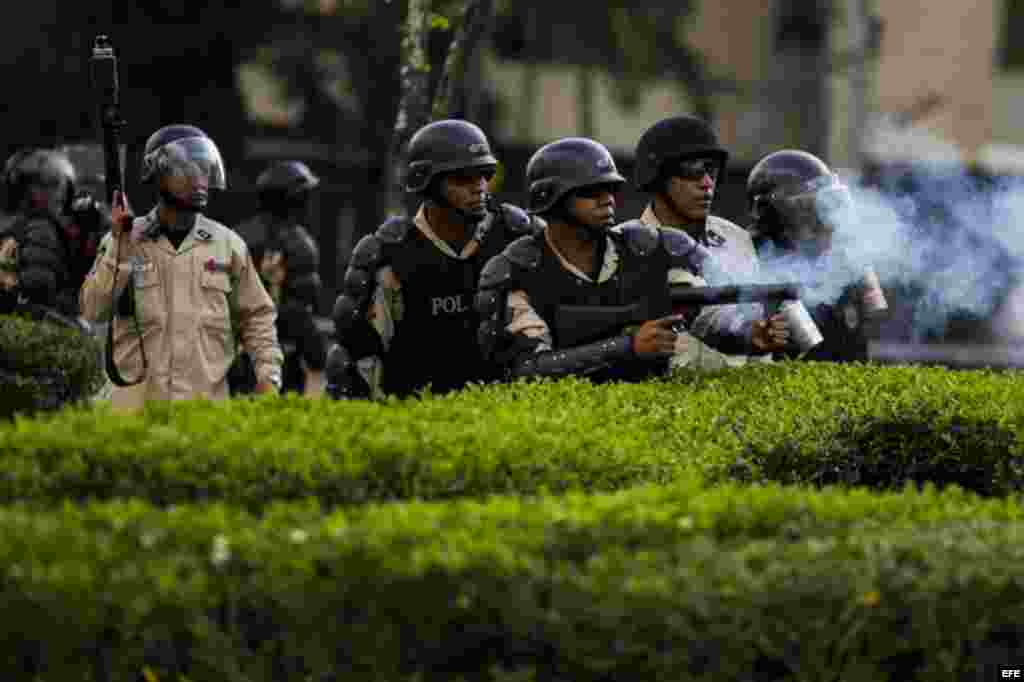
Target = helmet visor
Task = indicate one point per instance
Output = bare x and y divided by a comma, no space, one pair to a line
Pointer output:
192,157
817,209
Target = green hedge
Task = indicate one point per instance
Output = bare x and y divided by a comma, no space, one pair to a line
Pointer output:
44,366
813,424
658,583
500,440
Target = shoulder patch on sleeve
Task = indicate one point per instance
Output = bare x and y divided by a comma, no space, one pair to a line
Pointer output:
394,230
641,238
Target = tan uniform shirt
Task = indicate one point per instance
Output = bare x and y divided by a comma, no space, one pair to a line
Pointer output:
734,250
191,305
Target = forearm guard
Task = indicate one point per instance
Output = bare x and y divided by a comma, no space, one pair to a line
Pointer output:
342,376
580,360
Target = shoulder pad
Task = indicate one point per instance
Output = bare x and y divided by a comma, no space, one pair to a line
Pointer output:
368,252
394,230
641,238
497,273
39,231
357,282
516,220
678,243
524,252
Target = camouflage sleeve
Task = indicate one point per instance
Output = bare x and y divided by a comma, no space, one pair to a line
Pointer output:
95,296
256,317
383,314
524,321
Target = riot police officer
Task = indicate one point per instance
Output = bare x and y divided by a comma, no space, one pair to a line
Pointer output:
89,217
183,286
405,317
679,162
801,215
288,259
35,256
579,298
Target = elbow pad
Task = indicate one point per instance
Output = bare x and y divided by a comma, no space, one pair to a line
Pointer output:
581,360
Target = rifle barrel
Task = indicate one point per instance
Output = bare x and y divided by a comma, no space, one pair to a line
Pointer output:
734,293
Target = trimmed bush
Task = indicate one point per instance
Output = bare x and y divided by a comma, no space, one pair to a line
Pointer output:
671,583
877,427
44,365
795,423
523,439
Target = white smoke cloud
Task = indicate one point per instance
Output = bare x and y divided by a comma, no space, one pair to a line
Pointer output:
948,240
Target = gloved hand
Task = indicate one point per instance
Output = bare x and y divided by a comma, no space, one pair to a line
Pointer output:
343,379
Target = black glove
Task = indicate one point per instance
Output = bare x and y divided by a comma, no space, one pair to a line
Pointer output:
344,382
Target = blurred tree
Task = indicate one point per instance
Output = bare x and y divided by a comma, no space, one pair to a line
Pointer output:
438,40
335,66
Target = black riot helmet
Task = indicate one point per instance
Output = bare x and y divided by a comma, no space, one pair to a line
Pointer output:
796,200
183,150
90,169
671,140
565,165
47,170
285,186
446,146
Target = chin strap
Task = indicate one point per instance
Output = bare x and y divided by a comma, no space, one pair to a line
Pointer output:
469,218
172,201
583,230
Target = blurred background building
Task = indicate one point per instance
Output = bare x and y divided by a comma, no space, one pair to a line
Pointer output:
854,81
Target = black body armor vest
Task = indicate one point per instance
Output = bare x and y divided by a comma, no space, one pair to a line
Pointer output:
435,342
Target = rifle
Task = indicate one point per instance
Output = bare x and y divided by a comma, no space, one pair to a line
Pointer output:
106,86
575,325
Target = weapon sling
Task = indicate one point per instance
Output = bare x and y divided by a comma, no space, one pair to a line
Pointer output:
105,83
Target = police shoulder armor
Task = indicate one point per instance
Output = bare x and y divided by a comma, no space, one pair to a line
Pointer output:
357,284
498,274
516,220
501,274
525,252
641,238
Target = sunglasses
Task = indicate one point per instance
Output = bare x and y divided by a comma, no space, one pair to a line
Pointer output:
597,191
467,177
696,169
